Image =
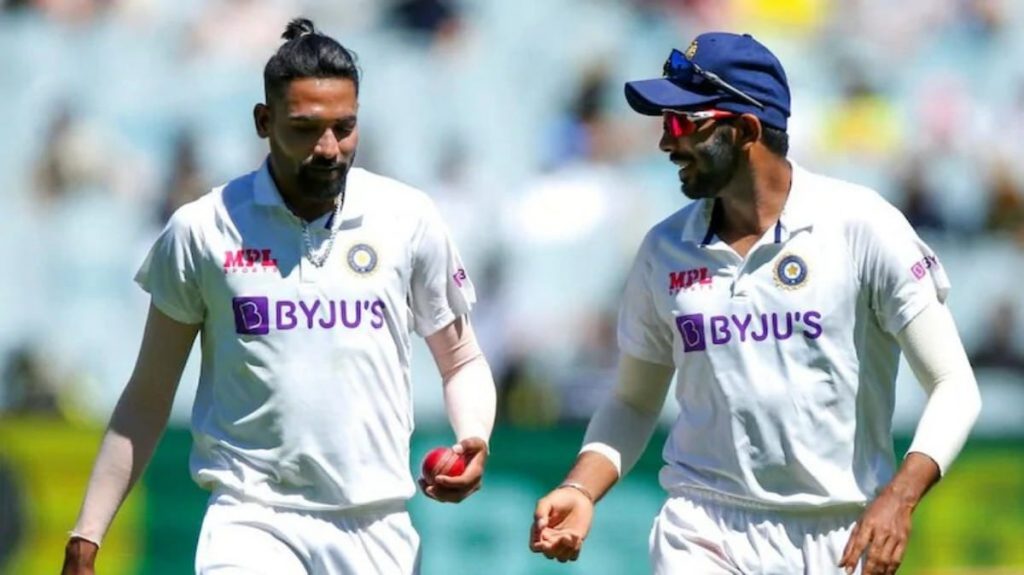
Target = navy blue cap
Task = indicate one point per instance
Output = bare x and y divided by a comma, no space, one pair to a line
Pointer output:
719,70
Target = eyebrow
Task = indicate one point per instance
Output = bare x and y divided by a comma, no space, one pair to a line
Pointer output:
307,118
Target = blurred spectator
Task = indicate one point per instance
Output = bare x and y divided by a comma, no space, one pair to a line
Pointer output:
72,158
434,20
1005,203
186,181
28,385
12,514
864,123
999,349
591,374
525,399
15,5
239,30
919,201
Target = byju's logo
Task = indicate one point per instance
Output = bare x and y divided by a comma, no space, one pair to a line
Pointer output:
920,269
722,329
685,280
256,316
248,260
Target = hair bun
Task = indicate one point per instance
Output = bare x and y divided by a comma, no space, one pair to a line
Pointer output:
298,28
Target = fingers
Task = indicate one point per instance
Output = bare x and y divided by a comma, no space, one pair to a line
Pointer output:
860,537
556,544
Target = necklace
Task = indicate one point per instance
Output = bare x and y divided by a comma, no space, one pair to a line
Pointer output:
317,258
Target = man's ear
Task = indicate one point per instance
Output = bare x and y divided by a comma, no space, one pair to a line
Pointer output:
261,119
748,130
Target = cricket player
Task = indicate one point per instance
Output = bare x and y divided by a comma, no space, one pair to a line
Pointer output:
306,279
782,299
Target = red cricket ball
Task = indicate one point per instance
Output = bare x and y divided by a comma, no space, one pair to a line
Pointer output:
442,461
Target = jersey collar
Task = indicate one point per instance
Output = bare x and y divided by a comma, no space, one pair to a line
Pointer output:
265,192
796,215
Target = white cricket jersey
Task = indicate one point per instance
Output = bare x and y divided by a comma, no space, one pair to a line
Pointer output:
304,396
786,359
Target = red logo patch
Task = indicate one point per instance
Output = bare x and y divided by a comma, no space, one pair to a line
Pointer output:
688,279
249,260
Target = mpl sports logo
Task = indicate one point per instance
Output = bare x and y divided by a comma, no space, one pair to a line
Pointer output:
722,329
256,316
688,279
249,260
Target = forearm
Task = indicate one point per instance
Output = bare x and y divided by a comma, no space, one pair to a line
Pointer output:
934,352
622,427
470,400
914,478
469,395
127,446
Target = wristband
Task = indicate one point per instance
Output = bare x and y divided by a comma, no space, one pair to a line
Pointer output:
577,487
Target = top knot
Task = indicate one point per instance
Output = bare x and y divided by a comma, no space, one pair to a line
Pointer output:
298,28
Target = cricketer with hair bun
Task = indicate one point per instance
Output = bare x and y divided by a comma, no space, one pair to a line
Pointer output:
306,278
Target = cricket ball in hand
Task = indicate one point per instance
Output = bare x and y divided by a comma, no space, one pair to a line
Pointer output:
442,461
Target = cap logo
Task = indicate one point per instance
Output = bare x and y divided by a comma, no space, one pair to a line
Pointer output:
691,51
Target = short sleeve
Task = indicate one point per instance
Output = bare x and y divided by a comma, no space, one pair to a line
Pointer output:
171,269
903,275
642,333
441,288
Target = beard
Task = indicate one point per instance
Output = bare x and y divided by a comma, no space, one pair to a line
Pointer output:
720,160
323,181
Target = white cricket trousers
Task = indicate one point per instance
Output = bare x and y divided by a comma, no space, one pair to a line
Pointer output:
715,535
247,538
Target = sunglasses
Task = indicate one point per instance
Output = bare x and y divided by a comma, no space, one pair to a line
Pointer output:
679,67
678,124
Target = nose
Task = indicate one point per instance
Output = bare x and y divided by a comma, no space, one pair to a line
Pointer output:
667,144
327,146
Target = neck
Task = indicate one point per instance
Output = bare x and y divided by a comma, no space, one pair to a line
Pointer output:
298,203
753,202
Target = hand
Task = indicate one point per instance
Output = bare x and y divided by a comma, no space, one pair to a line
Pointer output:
561,522
449,489
882,532
79,557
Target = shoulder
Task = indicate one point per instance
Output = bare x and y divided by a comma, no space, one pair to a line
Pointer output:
853,207
381,192
204,213
684,222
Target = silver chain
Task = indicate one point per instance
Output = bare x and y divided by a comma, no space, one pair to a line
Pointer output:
319,258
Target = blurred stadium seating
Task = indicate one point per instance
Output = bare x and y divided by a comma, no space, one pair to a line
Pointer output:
513,120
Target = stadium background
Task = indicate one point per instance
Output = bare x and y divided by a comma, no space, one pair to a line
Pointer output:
509,113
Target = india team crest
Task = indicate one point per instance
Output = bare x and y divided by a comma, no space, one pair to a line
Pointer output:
362,259
791,272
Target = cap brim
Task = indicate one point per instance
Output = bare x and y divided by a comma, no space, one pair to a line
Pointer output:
650,97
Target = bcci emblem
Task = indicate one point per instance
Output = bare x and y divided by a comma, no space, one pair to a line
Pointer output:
791,272
362,259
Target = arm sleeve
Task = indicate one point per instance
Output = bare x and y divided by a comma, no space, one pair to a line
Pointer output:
170,272
903,275
642,333
469,394
441,288
623,425
937,357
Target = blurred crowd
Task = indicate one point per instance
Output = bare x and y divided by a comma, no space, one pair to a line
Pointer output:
513,120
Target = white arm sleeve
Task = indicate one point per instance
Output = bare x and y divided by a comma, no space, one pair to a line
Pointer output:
622,426
469,395
937,357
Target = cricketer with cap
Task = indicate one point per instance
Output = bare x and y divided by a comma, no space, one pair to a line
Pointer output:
782,299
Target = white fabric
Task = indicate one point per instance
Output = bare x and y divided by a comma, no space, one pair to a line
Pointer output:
787,358
304,397
623,425
934,351
245,538
700,534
